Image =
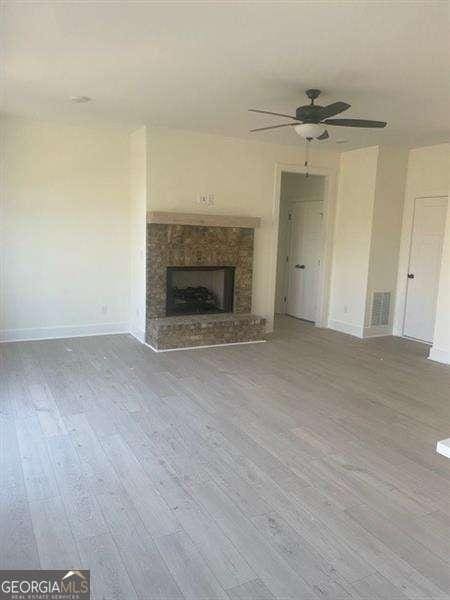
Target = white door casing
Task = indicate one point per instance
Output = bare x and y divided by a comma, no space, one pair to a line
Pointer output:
305,259
424,267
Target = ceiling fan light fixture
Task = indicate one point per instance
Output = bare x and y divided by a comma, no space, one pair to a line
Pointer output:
309,130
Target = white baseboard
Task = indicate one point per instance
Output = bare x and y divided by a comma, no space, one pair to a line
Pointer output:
442,356
206,346
358,330
138,334
344,327
63,331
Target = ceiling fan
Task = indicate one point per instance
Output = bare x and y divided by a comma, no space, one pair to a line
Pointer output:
311,119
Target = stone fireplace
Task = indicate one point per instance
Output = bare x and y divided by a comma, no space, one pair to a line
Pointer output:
199,281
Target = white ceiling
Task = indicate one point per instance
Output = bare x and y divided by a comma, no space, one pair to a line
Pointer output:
201,65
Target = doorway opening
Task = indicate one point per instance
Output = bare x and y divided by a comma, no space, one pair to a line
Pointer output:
300,254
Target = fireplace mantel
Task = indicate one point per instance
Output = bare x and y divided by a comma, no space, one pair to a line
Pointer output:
202,220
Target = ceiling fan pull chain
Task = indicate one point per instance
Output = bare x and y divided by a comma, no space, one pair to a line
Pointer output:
307,140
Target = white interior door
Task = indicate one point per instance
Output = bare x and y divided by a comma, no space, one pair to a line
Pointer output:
424,267
305,259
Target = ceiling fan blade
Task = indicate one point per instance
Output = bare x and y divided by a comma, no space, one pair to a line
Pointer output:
333,109
267,112
274,127
324,136
355,123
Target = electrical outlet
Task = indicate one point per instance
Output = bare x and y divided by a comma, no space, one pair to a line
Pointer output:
206,198
345,309
104,309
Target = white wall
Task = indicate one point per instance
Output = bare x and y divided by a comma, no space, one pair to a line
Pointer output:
66,231
138,204
296,186
367,236
428,174
386,229
441,343
241,173
352,239
283,251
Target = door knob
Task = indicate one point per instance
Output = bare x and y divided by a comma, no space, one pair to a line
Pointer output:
410,275
300,266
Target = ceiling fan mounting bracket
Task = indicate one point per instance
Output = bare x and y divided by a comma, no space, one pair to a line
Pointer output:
313,94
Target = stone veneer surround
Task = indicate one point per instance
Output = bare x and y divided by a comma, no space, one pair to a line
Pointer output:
190,246
204,330
182,245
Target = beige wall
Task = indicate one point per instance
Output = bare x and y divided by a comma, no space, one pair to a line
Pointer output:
138,207
428,174
282,253
295,186
352,239
441,343
73,221
66,236
367,236
241,174
386,228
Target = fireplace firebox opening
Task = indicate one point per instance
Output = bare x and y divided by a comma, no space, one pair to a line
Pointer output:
199,290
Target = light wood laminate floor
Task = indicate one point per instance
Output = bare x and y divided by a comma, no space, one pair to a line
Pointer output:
302,468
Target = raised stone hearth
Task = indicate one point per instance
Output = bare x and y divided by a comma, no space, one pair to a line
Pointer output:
223,247
204,330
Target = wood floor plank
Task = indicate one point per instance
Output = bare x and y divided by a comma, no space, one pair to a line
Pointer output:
81,506
96,467
228,565
143,562
111,580
376,586
152,508
300,468
414,553
262,557
37,468
48,413
320,575
18,548
194,578
56,544
252,590
363,546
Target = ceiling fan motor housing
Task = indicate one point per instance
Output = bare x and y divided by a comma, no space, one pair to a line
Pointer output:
310,113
